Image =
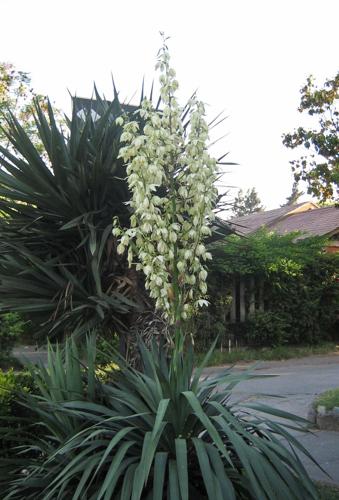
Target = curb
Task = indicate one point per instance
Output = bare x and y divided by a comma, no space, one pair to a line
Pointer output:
325,420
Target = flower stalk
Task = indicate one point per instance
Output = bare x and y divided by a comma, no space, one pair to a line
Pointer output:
171,177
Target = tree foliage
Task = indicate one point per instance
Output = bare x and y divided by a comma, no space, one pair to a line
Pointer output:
17,97
319,166
293,198
11,328
15,92
266,252
247,203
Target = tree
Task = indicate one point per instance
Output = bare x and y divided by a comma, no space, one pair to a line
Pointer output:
17,97
247,203
15,90
293,198
319,167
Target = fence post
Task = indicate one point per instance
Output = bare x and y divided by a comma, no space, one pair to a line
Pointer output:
233,313
261,295
252,296
242,301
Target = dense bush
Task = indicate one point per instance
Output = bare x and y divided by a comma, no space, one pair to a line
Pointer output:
11,328
266,329
106,346
157,433
309,301
12,385
7,388
211,322
300,289
12,413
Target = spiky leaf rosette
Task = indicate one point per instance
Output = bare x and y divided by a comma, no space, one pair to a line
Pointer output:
157,434
58,259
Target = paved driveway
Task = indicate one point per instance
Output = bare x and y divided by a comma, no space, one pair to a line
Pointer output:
300,381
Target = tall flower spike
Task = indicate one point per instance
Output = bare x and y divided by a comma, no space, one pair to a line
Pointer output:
171,177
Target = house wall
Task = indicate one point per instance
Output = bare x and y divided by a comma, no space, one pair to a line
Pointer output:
333,247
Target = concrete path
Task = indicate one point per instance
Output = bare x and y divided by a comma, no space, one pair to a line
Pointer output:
299,381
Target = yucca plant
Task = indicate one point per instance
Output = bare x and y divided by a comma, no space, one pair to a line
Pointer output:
31,416
159,432
163,432
58,260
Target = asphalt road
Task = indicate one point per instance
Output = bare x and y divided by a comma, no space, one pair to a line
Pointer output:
298,381
29,354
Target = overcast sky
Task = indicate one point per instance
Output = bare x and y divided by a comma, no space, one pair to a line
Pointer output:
247,57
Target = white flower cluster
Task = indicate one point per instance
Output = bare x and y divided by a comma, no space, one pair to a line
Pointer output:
171,177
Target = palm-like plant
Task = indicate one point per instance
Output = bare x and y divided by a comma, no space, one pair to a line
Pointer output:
63,381
153,434
57,254
58,259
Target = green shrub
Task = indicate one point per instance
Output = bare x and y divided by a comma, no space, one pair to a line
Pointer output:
242,354
13,385
309,301
266,328
11,327
329,399
328,491
158,433
106,346
7,389
299,284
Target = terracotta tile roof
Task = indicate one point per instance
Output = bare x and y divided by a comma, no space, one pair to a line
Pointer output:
305,217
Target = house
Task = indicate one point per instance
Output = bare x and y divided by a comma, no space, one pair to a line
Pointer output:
307,218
